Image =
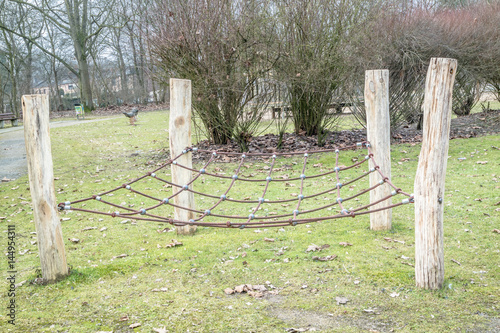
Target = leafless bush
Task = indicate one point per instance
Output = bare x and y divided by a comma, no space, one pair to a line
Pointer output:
312,66
225,49
404,42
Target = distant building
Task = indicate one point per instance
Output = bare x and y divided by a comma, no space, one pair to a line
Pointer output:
66,87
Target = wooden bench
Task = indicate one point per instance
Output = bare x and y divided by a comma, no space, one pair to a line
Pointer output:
8,116
337,107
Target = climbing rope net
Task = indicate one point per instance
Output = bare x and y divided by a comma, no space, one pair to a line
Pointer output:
299,215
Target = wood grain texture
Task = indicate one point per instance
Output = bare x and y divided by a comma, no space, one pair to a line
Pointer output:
378,133
41,177
431,171
180,138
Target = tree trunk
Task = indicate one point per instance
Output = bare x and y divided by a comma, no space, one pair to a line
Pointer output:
123,69
59,103
2,108
85,88
28,89
13,94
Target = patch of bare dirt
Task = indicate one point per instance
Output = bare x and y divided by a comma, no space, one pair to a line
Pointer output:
478,124
302,320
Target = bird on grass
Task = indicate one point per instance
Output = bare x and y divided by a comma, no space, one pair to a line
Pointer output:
132,115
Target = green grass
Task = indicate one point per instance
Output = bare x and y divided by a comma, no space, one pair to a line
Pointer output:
493,105
101,289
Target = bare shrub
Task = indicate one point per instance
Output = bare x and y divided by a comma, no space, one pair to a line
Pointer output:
404,42
312,66
224,48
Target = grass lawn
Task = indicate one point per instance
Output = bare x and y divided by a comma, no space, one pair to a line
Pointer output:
182,288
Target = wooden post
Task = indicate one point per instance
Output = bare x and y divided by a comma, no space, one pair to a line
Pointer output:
379,134
429,181
41,176
180,138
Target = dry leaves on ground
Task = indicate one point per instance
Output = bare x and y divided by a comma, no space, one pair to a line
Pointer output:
314,247
256,290
173,243
327,258
341,300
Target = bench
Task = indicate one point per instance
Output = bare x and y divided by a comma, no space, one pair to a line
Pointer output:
7,116
338,107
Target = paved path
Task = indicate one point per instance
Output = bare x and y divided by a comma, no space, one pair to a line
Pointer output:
13,151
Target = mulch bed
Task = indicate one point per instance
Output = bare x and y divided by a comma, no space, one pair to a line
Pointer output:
478,124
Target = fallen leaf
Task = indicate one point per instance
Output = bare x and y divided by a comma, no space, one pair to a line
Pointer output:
341,300
240,289
482,162
17,285
164,289
496,231
121,256
228,291
89,228
160,330
174,243
269,240
344,244
327,258
135,325
456,262
312,248
296,330
255,294
259,287
124,318
394,294
74,240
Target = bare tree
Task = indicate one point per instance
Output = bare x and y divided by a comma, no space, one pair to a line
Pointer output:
81,20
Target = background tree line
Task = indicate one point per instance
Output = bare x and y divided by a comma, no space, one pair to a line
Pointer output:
245,57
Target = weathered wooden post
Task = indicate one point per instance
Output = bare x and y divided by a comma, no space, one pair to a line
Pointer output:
41,177
429,181
379,134
180,138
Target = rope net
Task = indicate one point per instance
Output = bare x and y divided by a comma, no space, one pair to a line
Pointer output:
212,214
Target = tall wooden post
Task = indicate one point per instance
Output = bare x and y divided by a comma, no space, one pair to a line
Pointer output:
429,181
379,134
180,138
41,176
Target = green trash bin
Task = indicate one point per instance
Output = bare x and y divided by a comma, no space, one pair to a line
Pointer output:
79,111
